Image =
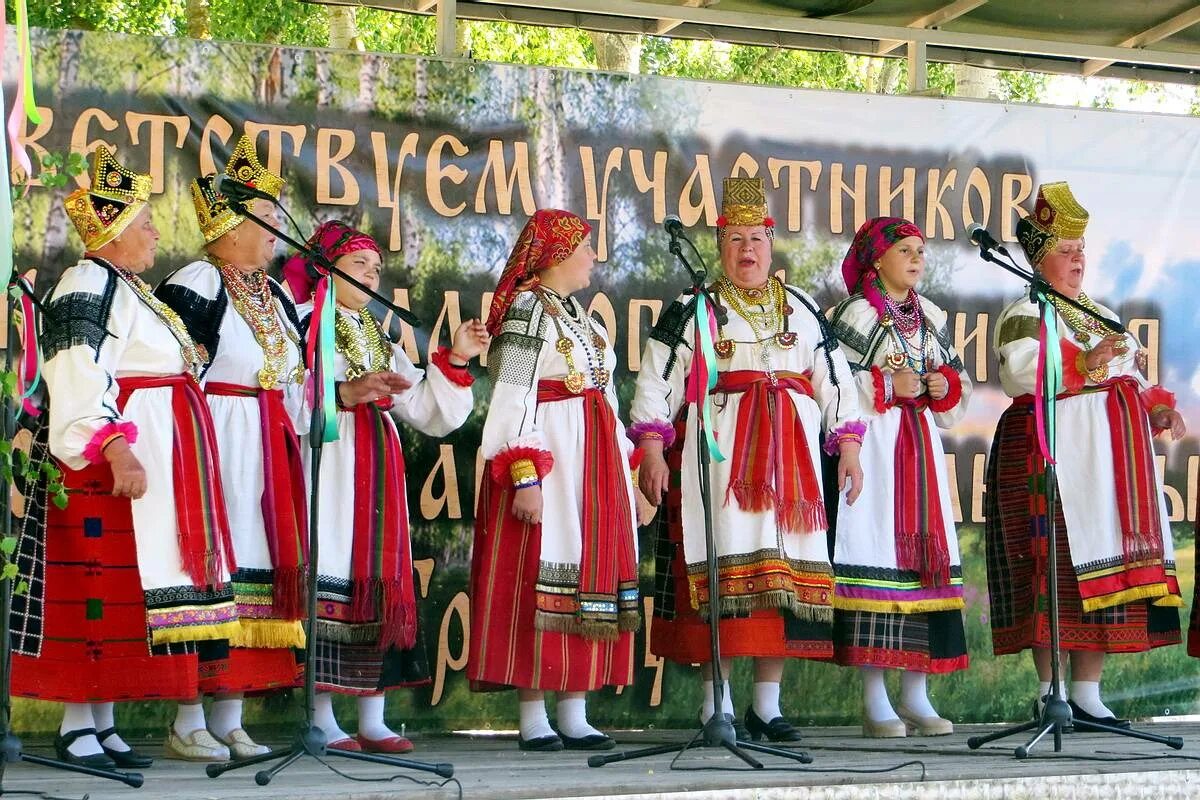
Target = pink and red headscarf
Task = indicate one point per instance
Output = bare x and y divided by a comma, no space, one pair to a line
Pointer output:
873,239
332,239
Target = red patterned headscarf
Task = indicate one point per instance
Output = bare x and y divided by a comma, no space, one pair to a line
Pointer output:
332,239
874,238
548,238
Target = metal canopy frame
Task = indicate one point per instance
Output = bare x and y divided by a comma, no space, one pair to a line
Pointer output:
935,32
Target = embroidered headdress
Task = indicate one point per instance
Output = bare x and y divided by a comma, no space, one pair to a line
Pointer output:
105,209
213,212
744,202
332,239
874,238
1056,215
548,238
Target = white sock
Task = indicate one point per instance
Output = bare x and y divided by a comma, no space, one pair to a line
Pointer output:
77,716
876,704
766,700
102,713
370,718
571,715
189,717
1044,689
225,716
534,722
324,719
706,710
1086,695
914,694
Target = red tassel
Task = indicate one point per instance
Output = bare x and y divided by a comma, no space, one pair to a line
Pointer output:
290,593
751,496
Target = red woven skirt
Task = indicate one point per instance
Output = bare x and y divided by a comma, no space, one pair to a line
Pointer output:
80,634
507,651
677,631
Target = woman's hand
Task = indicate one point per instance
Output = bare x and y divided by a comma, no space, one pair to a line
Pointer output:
527,505
371,387
129,477
937,385
1105,351
906,383
470,339
1169,419
653,474
850,471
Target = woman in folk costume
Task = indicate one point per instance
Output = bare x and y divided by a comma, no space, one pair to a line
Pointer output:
554,598
899,594
1117,591
783,381
253,383
367,632
130,595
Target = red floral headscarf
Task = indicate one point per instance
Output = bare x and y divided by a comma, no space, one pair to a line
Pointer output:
874,238
332,239
548,238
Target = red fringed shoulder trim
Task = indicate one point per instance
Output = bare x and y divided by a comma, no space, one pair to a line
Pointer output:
93,451
881,404
460,376
542,461
1074,367
953,394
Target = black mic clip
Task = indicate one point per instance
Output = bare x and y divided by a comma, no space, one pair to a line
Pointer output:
978,236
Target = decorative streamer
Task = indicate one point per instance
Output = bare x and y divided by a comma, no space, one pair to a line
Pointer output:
703,377
29,372
320,328
1051,356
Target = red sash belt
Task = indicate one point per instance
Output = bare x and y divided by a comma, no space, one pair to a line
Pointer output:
921,545
607,567
1133,467
772,466
203,528
381,568
284,501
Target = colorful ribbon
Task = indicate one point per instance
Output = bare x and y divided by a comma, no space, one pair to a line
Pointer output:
320,328
1049,355
703,377
24,106
29,372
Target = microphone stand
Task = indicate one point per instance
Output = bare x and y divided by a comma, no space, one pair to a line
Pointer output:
718,730
1056,717
310,740
11,751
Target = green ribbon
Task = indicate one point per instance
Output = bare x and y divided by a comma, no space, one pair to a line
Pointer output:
708,357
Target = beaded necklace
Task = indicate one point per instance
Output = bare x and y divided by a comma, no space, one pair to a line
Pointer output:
584,332
768,325
194,356
363,345
252,298
904,320
1083,325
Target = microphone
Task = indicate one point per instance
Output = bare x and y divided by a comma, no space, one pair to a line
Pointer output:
979,237
238,192
673,225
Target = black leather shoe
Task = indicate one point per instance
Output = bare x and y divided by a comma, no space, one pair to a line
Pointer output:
740,731
1038,705
777,730
123,758
1082,716
65,740
593,741
540,744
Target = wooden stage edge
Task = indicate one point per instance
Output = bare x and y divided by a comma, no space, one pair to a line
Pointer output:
845,767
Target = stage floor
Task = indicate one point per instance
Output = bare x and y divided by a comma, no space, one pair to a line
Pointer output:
844,766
